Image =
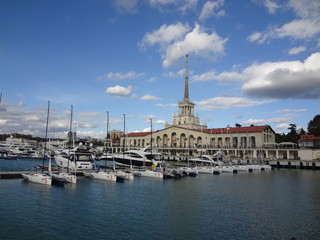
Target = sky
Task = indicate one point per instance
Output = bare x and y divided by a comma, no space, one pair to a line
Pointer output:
250,62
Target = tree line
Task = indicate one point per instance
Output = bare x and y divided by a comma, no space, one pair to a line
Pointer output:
294,134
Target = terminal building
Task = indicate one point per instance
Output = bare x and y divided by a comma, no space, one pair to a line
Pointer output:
186,137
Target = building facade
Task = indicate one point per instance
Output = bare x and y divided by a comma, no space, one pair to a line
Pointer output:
187,137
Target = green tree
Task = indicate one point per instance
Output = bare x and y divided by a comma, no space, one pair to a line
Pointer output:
314,126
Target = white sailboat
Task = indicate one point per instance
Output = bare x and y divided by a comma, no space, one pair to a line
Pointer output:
41,178
152,171
103,175
67,176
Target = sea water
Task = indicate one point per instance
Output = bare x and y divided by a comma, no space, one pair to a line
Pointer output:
278,204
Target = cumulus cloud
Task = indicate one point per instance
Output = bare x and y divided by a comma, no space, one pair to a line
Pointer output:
296,50
149,97
306,26
175,41
165,35
287,79
227,103
120,76
282,80
119,91
211,9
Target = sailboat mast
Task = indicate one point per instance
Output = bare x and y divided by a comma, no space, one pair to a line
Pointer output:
107,148
70,136
151,135
46,136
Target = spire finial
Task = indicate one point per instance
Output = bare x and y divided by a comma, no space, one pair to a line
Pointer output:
186,83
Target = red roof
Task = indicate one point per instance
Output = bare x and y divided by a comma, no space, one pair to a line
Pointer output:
138,134
237,129
213,130
308,138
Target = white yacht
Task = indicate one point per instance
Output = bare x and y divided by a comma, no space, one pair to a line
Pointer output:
137,158
75,159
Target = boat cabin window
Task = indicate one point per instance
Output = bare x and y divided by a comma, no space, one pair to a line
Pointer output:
135,155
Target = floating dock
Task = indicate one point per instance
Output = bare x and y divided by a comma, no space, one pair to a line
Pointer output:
297,164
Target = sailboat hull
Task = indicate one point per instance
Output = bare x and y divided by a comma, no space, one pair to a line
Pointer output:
37,178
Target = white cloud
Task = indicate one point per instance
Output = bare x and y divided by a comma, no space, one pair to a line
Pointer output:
307,26
119,91
266,121
179,74
175,41
160,122
149,97
282,127
290,110
271,6
296,50
227,103
224,76
305,8
152,79
121,76
25,120
210,9
287,79
197,42
167,105
165,35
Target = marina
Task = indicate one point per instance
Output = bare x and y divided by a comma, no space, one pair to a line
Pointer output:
278,204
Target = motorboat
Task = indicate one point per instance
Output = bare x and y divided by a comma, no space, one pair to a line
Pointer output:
189,171
137,157
204,160
204,169
243,168
265,167
75,159
228,169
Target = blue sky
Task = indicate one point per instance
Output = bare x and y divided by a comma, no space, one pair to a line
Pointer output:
250,62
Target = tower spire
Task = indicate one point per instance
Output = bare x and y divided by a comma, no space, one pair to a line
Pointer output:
186,82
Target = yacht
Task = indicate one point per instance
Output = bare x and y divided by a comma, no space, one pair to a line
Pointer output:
75,159
137,158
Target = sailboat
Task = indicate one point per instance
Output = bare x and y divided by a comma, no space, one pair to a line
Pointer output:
103,175
67,176
42,178
153,171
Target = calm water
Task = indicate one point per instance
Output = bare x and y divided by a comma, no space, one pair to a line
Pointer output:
21,164
280,204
